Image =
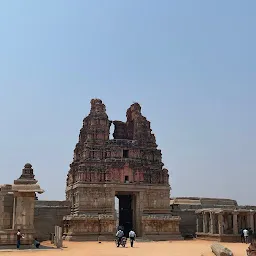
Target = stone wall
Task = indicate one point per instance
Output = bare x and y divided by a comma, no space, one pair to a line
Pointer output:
6,207
188,221
47,215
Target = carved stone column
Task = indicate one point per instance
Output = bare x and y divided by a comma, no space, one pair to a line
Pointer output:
220,223
251,218
235,226
197,223
204,222
24,211
212,223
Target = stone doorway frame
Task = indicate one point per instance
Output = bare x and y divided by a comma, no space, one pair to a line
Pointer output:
136,215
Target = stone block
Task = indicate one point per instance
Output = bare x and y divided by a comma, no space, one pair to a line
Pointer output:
220,250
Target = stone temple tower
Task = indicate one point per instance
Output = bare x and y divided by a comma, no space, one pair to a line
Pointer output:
128,167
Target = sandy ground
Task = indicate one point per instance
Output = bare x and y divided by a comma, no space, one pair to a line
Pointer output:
175,248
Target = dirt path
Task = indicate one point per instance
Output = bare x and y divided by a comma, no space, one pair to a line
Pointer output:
175,248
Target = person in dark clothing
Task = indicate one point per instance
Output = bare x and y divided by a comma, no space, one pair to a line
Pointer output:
36,243
19,236
132,236
119,235
250,233
242,235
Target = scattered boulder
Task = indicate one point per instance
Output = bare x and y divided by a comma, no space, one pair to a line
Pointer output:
220,250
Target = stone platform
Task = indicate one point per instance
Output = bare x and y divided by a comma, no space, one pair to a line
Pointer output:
9,237
89,227
161,227
156,227
219,238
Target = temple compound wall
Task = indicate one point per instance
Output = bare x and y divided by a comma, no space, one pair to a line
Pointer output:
49,214
224,225
128,167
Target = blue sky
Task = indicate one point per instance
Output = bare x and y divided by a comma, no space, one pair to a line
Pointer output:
190,64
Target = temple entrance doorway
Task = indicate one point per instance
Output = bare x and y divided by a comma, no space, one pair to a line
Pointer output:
126,212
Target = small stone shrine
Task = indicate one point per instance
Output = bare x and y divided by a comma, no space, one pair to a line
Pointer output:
17,204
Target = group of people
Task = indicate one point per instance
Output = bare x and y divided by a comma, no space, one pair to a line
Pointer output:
20,236
246,235
120,235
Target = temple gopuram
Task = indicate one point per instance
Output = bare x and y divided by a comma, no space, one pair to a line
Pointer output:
129,168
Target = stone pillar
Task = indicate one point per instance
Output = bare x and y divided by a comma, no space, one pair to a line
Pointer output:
204,223
138,213
14,212
212,223
197,223
58,237
235,226
220,223
23,211
251,217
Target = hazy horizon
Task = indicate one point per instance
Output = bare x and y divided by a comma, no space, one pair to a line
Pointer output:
190,65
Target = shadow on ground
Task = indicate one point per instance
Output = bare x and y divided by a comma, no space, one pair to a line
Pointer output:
6,248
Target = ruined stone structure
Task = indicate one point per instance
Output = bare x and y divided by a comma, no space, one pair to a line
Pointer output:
224,225
185,208
17,203
129,167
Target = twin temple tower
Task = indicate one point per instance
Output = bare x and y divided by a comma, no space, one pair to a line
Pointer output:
128,167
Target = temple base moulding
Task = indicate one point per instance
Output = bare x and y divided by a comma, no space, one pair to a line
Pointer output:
9,237
219,238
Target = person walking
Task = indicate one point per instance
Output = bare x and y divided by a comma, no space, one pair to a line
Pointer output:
19,236
246,234
132,236
119,235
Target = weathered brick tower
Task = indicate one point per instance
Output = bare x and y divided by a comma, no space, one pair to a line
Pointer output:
128,167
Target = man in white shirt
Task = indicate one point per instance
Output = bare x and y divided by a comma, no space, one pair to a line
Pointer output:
246,234
132,236
119,235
